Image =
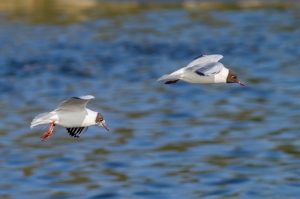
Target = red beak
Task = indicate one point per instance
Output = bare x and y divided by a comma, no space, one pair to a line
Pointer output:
104,125
240,83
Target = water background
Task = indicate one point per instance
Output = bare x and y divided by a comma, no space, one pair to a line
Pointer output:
165,141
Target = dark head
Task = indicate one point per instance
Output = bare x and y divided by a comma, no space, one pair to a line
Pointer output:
232,78
100,121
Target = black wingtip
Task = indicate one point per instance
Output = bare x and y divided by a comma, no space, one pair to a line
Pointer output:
74,131
84,97
199,57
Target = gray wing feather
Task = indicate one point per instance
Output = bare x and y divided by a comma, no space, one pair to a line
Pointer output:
75,103
209,69
206,65
203,59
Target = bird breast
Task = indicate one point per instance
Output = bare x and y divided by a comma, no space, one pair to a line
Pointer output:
76,118
192,77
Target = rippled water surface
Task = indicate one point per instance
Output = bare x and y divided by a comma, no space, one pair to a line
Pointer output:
165,141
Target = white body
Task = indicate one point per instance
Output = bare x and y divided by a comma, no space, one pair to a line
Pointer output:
213,71
194,78
83,118
66,118
70,113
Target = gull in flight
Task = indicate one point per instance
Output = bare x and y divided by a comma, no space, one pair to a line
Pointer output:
71,114
205,69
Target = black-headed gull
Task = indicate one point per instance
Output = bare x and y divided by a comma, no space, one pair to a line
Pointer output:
205,69
71,114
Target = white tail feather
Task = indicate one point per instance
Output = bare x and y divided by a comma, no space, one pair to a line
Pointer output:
42,126
42,120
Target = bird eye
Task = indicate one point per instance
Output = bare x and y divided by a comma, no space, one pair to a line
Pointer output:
233,77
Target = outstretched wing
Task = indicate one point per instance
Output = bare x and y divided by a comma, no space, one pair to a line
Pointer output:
209,69
76,131
206,65
203,59
75,103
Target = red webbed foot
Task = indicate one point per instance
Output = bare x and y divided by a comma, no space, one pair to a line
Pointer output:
172,81
48,133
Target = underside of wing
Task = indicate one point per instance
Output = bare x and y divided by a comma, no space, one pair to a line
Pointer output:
76,131
204,59
209,69
75,103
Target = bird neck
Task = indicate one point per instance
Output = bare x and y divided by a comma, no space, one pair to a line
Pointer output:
91,117
221,77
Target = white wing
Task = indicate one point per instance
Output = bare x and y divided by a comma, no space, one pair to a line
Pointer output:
209,69
204,59
75,103
206,65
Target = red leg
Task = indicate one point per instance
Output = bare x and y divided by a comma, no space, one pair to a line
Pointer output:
172,81
49,132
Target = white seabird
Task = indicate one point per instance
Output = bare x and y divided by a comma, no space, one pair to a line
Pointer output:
71,114
205,69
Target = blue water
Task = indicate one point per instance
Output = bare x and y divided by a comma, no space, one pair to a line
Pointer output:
165,141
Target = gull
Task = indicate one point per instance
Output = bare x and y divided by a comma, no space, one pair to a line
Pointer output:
205,69
71,114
